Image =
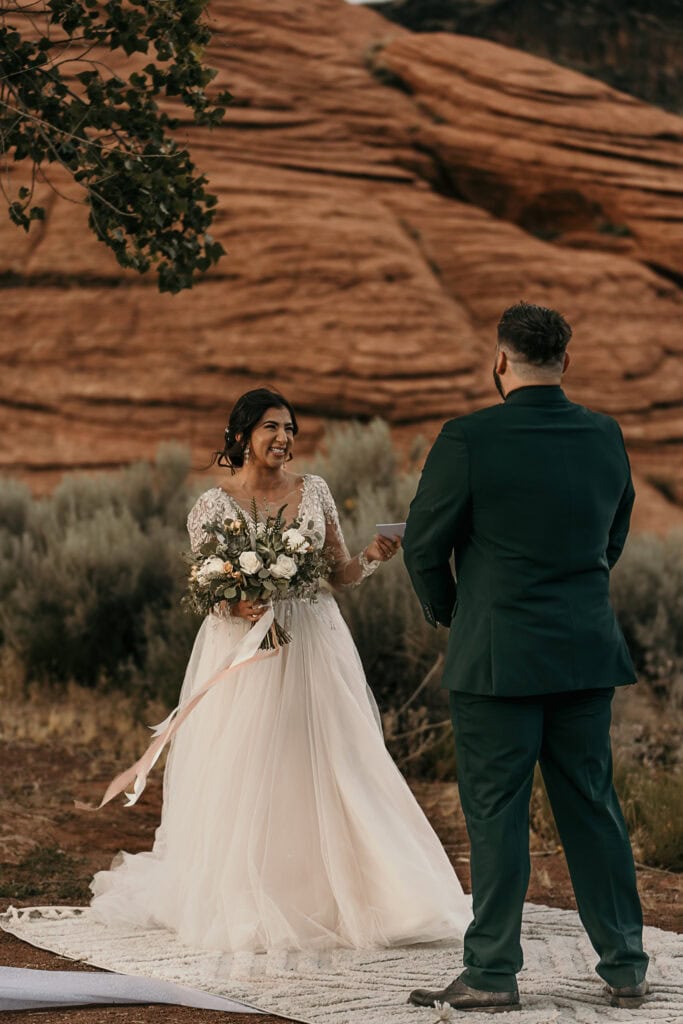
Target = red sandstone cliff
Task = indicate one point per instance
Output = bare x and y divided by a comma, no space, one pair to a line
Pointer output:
633,45
382,197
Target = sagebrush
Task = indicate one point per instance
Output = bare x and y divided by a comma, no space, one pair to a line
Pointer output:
647,592
91,577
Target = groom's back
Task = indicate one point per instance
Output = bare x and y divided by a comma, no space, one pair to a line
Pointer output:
547,479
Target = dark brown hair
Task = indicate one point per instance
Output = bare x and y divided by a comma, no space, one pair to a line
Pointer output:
537,333
246,413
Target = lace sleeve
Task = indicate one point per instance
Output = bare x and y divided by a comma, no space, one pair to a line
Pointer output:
347,571
203,511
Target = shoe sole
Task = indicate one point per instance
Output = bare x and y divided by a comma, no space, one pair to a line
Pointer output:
489,1009
495,1009
475,1009
628,1003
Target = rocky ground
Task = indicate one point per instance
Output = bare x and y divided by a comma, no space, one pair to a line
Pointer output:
49,851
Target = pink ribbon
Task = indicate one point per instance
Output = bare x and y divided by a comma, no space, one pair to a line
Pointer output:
244,653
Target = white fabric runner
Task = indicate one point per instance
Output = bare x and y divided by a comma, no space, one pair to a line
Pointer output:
25,989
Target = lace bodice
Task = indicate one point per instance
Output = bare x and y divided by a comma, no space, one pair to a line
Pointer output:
317,506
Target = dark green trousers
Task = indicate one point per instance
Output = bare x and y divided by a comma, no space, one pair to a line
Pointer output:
498,742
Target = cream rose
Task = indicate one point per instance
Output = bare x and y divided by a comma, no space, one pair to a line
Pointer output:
284,568
250,562
209,567
294,540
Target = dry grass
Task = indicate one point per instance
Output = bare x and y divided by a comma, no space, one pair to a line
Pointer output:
112,724
652,802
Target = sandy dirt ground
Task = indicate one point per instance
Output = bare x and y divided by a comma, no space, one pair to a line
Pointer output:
49,851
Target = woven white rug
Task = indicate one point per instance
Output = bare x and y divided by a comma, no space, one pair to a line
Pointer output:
558,984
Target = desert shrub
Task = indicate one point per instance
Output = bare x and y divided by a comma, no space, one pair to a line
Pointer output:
168,634
15,506
47,871
88,572
396,645
356,454
651,799
653,803
647,592
420,739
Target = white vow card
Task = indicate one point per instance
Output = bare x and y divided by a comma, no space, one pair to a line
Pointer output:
391,529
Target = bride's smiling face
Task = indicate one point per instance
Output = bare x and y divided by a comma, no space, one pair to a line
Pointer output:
271,439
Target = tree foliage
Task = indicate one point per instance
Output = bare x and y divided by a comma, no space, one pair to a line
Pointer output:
61,103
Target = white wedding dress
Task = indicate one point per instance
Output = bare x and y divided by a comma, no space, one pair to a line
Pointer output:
285,822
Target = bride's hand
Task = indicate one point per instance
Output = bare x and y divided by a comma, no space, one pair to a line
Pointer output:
381,549
249,610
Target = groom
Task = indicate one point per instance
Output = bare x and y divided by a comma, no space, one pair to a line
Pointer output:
533,498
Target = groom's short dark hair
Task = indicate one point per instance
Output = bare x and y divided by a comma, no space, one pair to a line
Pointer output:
540,335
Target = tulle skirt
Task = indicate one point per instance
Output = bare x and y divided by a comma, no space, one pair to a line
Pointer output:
285,822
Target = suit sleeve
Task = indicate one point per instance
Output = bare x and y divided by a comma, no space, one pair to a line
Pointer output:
438,517
622,517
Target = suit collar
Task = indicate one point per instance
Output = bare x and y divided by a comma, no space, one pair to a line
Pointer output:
537,394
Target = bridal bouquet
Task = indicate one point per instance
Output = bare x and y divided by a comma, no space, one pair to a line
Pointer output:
247,558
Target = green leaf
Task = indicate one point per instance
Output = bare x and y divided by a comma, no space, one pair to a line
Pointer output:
150,205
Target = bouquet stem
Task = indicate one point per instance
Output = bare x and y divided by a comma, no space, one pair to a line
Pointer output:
275,637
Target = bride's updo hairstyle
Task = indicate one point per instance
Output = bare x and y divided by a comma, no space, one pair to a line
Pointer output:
246,413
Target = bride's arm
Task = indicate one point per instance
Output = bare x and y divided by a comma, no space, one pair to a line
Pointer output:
202,512
347,571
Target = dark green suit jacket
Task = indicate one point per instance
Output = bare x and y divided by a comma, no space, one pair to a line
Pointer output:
533,497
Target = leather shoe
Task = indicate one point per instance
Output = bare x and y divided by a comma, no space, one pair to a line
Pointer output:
460,996
628,997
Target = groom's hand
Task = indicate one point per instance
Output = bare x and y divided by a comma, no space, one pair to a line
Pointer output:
381,548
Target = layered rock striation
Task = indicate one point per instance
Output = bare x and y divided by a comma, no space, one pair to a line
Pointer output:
383,196
634,45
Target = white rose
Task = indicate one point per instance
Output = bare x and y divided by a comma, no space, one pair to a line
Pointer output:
294,540
250,562
208,568
284,568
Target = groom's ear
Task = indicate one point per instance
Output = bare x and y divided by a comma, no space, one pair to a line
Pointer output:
567,361
501,361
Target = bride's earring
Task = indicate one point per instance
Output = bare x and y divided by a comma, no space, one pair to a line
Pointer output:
247,450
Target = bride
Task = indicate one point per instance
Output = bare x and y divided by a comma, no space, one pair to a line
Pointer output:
285,822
